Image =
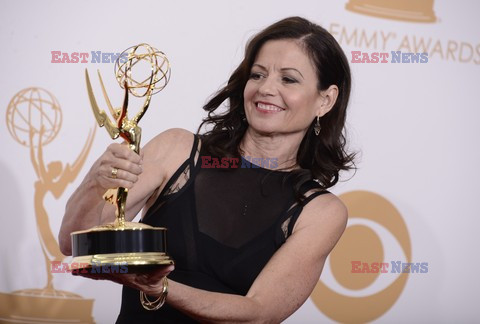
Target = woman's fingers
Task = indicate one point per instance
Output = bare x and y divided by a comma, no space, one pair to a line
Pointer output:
125,165
150,282
155,275
118,167
118,174
122,151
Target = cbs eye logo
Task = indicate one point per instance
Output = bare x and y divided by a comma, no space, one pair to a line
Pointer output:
373,223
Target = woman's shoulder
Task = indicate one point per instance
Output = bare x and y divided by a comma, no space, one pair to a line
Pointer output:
325,211
169,149
173,137
171,143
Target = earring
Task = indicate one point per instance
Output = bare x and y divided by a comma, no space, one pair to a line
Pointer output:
317,126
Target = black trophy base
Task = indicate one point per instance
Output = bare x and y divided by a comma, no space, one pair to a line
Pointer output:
132,248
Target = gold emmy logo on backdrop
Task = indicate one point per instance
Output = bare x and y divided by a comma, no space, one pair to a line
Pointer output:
137,245
406,10
34,119
360,242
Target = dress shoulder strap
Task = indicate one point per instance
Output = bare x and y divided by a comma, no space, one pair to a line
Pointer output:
186,166
306,187
176,182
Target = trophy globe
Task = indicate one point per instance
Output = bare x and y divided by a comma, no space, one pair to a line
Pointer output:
143,69
32,109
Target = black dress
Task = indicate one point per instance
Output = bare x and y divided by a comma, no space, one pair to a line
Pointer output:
223,227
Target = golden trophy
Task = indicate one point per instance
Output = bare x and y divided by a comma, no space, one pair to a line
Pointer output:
135,245
34,119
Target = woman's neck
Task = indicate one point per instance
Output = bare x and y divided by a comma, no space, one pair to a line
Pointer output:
282,147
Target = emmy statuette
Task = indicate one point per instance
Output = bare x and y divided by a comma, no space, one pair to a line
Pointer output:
138,246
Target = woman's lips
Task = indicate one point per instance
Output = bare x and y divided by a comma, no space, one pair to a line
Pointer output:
267,107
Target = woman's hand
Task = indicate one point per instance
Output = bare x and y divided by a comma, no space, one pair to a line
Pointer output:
144,175
150,282
117,167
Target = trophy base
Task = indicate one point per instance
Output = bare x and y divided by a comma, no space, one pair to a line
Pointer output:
110,248
45,306
120,263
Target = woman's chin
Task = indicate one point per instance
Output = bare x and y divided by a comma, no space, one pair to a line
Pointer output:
265,131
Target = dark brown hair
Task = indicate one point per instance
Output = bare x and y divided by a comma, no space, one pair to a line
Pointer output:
319,157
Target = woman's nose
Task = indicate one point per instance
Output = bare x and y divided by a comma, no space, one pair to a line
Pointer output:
267,87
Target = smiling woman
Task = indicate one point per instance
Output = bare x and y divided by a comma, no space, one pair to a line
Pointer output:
281,96
295,44
249,243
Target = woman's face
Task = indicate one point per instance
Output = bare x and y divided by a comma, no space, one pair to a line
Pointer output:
281,95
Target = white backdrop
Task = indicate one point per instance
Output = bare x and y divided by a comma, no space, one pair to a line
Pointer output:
415,125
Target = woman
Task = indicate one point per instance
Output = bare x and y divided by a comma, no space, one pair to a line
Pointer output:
249,242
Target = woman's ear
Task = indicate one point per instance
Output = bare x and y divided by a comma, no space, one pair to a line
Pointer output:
327,100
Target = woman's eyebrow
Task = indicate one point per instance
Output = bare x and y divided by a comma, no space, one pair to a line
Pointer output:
259,66
292,69
282,69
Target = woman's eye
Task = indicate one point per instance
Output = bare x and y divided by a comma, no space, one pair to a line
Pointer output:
255,76
289,80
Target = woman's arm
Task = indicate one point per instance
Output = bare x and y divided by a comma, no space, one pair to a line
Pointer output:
283,285
142,175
